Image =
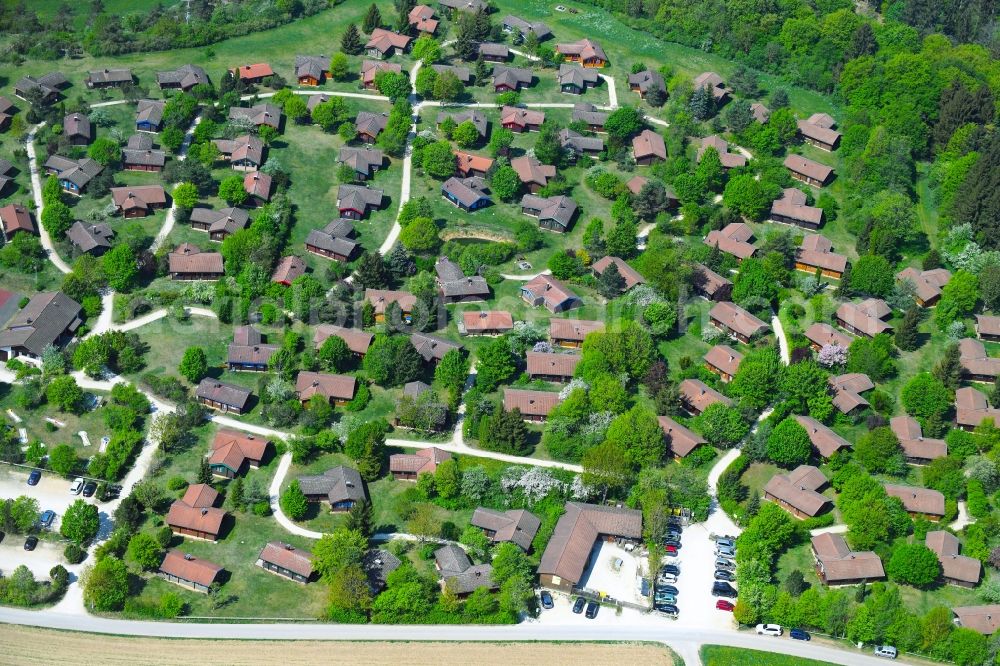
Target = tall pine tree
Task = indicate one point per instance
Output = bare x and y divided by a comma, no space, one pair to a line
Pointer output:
204,472
949,369
907,335
350,43
373,19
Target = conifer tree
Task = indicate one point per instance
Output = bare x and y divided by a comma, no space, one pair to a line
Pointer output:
906,334
350,43
373,19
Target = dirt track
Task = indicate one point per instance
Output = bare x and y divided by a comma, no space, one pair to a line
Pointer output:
23,645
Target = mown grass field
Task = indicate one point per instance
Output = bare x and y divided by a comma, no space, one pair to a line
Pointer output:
33,421
717,655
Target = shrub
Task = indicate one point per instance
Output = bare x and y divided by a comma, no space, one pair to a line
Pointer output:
360,400
177,483
74,554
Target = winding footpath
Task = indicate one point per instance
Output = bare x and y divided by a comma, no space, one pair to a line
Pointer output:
168,222
70,613
36,193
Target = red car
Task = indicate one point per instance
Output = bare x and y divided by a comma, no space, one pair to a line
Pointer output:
670,550
722,604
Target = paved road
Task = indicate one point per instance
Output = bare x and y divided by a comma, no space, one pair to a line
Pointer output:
155,315
36,192
462,448
104,320
331,93
530,276
779,332
168,222
684,640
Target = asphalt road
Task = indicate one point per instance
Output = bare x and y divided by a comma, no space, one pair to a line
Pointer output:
684,640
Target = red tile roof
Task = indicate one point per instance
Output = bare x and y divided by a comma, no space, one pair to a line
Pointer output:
189,568
287,557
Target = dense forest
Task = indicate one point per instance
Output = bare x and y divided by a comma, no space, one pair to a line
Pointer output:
910,94
186,24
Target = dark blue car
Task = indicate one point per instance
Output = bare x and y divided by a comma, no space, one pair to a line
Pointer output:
34,477
546,600
579,604
799,635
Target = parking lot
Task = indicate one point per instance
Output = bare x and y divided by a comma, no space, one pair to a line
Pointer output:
615,572
52,493
40,561
696,560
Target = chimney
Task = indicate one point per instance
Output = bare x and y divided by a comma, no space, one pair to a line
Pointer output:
204,511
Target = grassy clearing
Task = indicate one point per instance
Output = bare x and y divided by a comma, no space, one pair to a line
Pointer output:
717,655
384,494
91,422
251,591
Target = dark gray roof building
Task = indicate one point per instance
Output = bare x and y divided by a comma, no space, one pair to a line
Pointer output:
431,347
337,484
47,319
459,574
517,525
108,77
92,238
475,116
184,77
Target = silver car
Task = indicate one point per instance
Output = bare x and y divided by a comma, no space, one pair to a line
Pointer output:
725,551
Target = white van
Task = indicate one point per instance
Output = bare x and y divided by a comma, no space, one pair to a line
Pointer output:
886,651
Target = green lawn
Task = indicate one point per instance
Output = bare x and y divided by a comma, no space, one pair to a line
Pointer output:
384,494
90,421
717,655
757,476
250,591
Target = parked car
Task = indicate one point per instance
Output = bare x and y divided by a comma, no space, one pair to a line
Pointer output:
546,600
769,630
45,520
725,541
723,563
671,568
665,598
669,589
30,543
77,486
725,551
579,604
34,477
722,574
799,635
670,550
722,589
592,609
672,542
89,488
886,651
669,609
722,604
666,578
